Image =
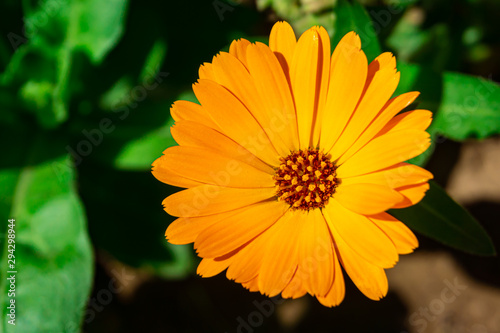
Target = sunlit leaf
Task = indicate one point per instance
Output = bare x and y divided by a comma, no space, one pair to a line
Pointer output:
53,256
98,26
469,108
463,106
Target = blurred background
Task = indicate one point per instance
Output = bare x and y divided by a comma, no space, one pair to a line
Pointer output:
85,92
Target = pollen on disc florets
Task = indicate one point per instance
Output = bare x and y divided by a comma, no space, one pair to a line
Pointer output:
305,179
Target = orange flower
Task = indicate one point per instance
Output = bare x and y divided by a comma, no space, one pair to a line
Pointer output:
290,163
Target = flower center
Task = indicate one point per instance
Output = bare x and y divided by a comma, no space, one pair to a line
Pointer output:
305,179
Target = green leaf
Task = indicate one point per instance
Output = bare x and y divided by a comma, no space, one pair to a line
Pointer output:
42,69
138,154
99,26
463,106
53,256
154,60
439,217
469,108
353,17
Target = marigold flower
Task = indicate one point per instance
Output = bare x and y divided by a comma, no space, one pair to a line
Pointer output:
291,162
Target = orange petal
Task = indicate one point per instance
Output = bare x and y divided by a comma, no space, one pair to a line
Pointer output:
272,86
316,257
401,174
168,176
193,134
385,61
211,167
206,71
416,119
391,108
234,120
385,151
403,238
361,235
236,230
209,267
377,92
367,198
234,76
252,285
238,48
247,261
369,278
281,258
324,72
337,291
309,76
347,78
184,230
184,110
282,42
209,199
412,194
295,288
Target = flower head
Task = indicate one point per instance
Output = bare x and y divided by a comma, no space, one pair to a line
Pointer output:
290,162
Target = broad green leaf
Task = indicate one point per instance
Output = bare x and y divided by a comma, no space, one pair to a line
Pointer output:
469,108
353,17
98,26
439,217
53,256
463,106
43,65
